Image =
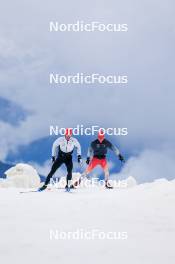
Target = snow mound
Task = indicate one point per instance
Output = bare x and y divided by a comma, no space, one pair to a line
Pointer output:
130,181
21,176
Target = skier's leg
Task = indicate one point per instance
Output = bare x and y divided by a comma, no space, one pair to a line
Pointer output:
86,172
106,172
103,163
93,163
90,167
55,166
105,168
69,166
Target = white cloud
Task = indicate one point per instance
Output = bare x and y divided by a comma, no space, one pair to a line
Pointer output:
145,53
149,165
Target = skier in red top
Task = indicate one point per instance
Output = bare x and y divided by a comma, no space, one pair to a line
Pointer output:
97,156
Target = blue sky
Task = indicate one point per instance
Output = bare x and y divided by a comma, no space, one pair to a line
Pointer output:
28,53
11,112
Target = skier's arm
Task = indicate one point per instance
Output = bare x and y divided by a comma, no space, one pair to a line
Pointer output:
113,148
55,147
90,152
78,147
116,151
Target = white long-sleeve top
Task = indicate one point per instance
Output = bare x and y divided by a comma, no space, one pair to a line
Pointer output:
66,146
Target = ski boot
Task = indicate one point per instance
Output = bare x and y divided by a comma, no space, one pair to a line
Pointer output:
68,188
108,185
42,188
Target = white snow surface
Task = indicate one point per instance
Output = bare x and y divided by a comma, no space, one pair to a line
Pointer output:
21,176
145,212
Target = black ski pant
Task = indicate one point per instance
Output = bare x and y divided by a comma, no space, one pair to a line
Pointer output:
67,160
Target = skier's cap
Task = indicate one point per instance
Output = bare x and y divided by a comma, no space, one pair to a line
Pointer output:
68,132
101,134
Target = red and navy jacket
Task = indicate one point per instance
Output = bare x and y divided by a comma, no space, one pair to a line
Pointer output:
99,149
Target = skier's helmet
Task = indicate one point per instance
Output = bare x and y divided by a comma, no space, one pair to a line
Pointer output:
68,133
101,135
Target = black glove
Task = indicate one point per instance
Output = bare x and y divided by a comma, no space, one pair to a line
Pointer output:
79,158
88,160
53,159
121,158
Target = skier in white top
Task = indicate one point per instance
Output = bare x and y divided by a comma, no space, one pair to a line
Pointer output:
62,150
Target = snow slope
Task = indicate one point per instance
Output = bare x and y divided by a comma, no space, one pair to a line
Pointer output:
145,212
